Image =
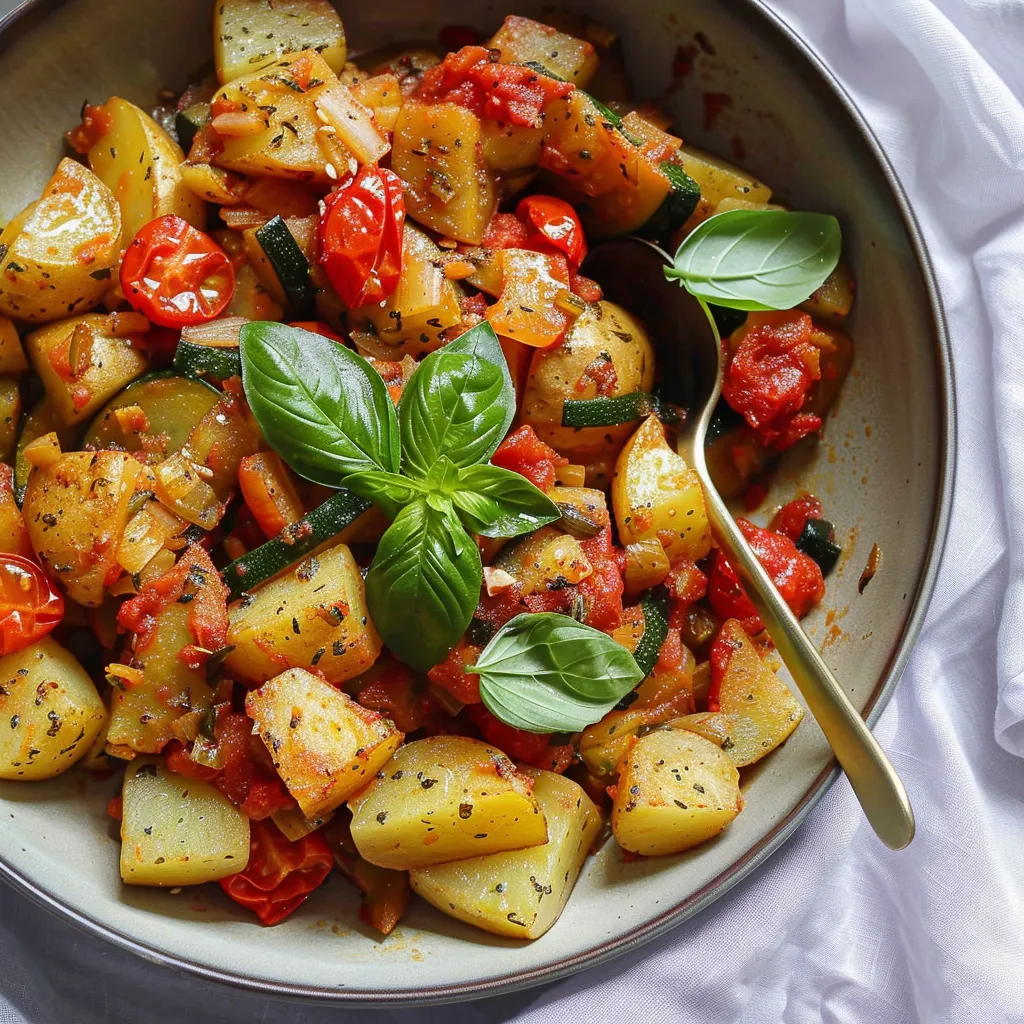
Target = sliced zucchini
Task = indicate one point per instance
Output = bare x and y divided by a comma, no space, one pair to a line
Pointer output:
324,522
194,360
609,412
655,630
816,542
290,265
675,209
172,406
188,121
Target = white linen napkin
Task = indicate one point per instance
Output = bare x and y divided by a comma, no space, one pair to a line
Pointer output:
834,928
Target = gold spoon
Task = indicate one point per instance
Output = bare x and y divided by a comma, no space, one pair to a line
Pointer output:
630,272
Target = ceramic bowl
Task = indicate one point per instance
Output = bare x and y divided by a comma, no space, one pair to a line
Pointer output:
883,471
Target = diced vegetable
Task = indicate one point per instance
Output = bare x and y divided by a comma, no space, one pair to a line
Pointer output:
445,798
834,299
765,709
249,35
718,179
40,421
284,94
12,355
313,617
58,254
520,893
545,560
146,533
712,725
82,364
521,40
198,360
324,745
647,565
290,265
526,310
656,496
50,710
268,487
10,416
816,540
448,188
655,630
76,510
187,123
141,164
353,124
383,95
510,147
676,790
177,830
213,184
13,531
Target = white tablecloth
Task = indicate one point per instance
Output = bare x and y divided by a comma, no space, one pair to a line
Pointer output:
835,928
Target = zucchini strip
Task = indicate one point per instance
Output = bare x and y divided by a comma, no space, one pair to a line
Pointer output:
609,412
816,542
204,361
655,630
290,265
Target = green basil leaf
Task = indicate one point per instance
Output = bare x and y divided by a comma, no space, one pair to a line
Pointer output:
460,402
496,502
321,407
389,491
424,584
758,259
549,673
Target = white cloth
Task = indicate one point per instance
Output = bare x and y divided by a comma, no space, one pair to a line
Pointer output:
834,928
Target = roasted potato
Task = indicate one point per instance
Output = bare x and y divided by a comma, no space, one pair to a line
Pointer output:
521,39
13,531
656,496
520,892
312,617
76,510
12,355
50,710
445,798
675,790
766,711
177,830
10,416
718,179
141,164
605,332
82,365
324,745
250,34
58,254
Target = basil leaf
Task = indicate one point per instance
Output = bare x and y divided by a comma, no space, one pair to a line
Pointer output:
549,673
460,402
758,259
321,407
496,502
389,491
424,584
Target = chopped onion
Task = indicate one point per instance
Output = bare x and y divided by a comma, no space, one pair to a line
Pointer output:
145,534
241,217
647,565
353,123
179,484
572,475
221,333
238,123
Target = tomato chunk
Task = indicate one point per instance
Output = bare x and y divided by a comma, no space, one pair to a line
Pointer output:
523,452
30,604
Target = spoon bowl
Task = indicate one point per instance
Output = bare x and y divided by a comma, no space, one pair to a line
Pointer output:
630,271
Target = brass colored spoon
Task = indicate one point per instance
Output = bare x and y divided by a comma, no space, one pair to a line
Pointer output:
630,272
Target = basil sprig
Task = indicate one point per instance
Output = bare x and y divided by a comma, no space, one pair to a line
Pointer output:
758,259
327,412
549,673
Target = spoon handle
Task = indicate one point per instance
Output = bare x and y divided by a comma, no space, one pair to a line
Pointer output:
874,780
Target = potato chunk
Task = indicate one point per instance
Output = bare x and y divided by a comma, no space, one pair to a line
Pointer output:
314,616
141,164
675,790
445,798
76,510
176,830
766,711
82,365
519,892
656,496
50,712
324,745
437,153
521,39
250,34
12,355
58,253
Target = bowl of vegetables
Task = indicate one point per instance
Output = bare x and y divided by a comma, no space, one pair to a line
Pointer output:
352,582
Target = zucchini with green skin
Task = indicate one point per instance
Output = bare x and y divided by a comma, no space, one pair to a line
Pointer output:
194,360
187,123
172,406
312,530
290,265
816,542
609,412
655,630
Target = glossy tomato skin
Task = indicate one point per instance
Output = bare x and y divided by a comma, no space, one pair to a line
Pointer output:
175,274
30,604
360,234
552,225
280,873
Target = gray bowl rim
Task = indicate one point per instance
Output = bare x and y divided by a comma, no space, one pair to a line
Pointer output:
28,15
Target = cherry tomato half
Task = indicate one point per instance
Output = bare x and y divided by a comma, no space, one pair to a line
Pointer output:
552,223
30,605
175,274
280,873
361,232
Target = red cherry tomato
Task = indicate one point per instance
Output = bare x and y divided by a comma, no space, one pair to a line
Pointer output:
361,232
797,577
552,224
30,605
280,873
175,274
